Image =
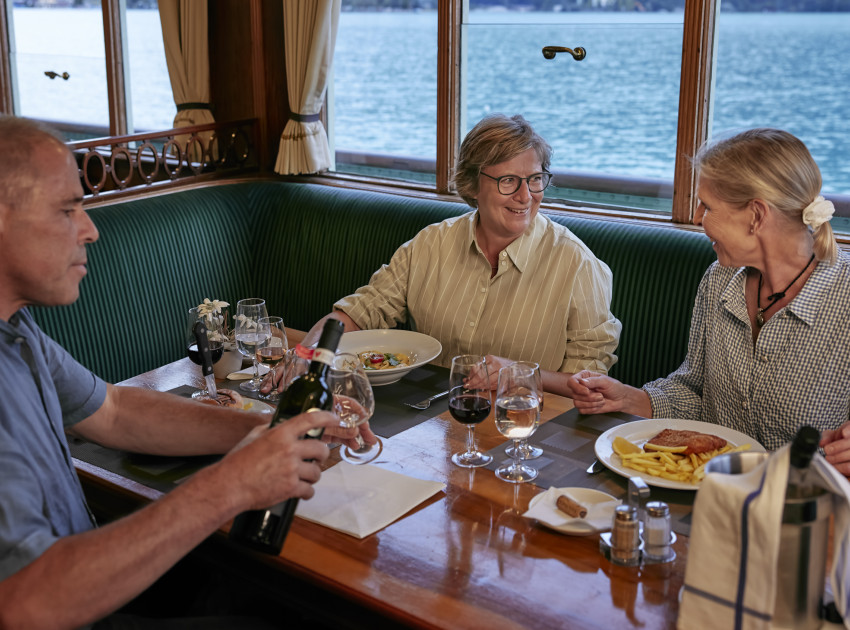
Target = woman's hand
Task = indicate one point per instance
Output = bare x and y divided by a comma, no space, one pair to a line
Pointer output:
836,448
476,380
273,380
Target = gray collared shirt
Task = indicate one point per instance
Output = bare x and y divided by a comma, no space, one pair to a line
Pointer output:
46,390
796,373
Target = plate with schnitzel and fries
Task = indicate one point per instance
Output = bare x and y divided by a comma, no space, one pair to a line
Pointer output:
668,453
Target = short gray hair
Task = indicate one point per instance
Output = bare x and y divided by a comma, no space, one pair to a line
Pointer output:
18,171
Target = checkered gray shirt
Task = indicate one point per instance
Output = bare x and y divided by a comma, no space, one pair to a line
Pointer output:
797,373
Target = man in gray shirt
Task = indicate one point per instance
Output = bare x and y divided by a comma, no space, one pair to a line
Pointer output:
56,568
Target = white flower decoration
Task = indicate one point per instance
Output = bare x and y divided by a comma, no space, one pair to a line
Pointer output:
818,212
211,307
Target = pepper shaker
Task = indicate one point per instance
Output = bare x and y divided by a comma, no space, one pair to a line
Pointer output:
625,536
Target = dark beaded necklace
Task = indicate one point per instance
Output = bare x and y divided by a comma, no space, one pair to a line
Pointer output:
775,297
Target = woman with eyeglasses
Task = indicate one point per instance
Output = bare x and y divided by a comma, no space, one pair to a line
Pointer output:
501,280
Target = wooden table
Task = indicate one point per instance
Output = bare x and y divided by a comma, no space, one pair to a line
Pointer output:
463,559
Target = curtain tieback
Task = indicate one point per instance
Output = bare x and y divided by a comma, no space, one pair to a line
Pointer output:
182,107
304,118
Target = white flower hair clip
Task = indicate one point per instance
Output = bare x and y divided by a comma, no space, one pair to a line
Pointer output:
818,212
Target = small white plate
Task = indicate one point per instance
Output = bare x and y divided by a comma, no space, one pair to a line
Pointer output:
576,526
257,406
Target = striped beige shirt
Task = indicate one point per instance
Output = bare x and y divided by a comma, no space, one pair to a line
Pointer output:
549,302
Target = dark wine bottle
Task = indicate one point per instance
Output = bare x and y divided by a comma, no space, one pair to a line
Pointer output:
803,449
265,530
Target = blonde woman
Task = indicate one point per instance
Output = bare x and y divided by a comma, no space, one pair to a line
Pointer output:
769,347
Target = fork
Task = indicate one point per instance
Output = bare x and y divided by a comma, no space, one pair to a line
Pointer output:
424,404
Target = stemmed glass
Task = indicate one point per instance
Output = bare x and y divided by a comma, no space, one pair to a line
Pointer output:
517,416
214,335
273,350
526,450
469,404
249,337
354,403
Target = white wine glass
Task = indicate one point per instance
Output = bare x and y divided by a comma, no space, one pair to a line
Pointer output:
354,403
273,350
215,337
248,336
469,405
517,417
526,450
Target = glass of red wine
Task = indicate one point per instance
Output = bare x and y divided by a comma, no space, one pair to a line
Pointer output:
214,335
469,404
272,350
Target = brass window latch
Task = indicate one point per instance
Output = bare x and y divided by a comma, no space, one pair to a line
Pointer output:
578,54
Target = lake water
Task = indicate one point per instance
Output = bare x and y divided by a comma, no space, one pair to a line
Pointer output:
612,113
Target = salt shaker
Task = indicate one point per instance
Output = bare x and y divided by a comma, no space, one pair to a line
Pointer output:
656,532
625,536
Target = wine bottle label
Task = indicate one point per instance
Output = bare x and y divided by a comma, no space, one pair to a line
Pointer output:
323,355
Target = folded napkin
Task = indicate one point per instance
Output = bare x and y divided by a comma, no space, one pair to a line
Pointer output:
730,578
247,373
361,499
599,514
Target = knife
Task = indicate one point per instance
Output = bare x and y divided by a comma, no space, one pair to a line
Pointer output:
206,358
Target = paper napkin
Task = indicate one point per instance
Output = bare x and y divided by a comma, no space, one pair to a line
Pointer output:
247,373
599,514
361,499
730,577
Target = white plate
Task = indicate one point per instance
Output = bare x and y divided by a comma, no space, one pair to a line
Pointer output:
639,431
576,526
420,348
257,406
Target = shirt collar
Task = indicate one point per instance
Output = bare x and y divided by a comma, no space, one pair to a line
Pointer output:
521,249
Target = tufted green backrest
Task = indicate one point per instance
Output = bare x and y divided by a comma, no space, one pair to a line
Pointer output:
656,274
302,247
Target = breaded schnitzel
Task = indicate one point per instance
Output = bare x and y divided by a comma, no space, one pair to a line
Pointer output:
694,441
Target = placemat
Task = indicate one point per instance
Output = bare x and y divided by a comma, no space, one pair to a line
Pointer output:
568,449
393,416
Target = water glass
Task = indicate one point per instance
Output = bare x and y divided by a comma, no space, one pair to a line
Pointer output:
526,450
517,417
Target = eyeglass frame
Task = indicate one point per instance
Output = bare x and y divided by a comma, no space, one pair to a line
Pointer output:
498,181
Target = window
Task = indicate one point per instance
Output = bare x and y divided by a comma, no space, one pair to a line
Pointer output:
620,120
60,59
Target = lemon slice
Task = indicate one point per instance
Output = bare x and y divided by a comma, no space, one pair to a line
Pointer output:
622,446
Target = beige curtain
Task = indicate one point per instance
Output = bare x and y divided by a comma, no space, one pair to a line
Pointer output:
310,28
184,32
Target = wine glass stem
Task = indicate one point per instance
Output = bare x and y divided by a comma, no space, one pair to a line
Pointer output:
516,454
256,370
470,440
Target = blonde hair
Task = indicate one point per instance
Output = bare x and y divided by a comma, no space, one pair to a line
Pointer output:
495,139
768,164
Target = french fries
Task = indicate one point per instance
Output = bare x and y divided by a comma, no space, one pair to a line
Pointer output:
669,465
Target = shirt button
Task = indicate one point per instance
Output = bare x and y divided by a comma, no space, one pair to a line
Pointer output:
745,405
504,254
19,340
764,358
471,324
483,290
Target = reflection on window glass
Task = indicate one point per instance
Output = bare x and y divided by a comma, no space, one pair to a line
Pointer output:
788,70
153,104
69,42
385,91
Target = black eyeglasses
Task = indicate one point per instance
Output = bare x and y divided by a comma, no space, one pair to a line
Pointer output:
509,184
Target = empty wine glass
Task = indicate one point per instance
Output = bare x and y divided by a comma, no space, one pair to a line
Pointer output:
214,335
354,403
526,450
249,337
273,350
469,405
517,416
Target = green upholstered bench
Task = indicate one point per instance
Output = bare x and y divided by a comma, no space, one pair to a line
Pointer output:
301,247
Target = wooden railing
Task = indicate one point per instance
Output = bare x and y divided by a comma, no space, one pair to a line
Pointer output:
123,165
